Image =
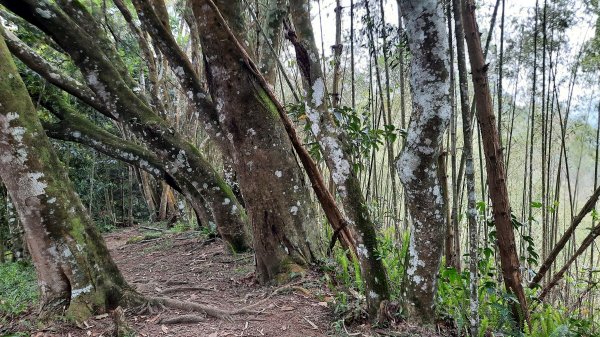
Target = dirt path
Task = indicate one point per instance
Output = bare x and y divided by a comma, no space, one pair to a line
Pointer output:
167,265
188,267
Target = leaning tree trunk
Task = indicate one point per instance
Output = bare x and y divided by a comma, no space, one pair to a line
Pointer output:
494,163
75,270
336,152
277,198
77,33
231,225
417,165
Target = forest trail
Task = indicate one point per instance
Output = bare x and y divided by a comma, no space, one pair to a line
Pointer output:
165,264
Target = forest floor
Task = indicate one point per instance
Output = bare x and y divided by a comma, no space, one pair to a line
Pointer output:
188,267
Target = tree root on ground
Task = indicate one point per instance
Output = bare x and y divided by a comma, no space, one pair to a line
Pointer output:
182,319
214,312
187,288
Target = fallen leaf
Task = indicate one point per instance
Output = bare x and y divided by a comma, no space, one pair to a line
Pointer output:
101,316
214,334
164,328
287,308
323,304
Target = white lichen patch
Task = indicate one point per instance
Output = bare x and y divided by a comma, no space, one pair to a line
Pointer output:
407,165
341,166
318,92
278,174
294,210
227,201
362,251
77,292
45,13
32,184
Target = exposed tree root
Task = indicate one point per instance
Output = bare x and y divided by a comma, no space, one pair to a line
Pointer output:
207,310
214,312
182,319
187,288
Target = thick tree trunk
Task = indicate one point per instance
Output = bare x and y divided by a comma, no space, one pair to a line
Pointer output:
336,154
417,165
272,183
496,175
75,270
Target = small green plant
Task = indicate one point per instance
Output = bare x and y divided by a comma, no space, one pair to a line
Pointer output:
18,288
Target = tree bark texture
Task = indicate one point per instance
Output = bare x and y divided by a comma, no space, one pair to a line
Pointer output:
417,164
75,270
70,25
271,180
496,175
336,152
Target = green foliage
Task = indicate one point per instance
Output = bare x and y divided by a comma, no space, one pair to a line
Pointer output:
363,138
18,288
495,303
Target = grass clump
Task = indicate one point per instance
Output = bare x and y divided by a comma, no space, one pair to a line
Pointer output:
18,289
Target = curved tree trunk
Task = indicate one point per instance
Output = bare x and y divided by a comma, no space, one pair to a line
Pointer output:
271,180
417,165
232,226
70,26
75,270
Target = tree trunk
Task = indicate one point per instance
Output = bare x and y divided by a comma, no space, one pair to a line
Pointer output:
112,87
277,198
467,122
75,270
336,154
417,165
231,220
496,176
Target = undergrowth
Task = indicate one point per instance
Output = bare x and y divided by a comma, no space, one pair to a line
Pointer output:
343,277
18,289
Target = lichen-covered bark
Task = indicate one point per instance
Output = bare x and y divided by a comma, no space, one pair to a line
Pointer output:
111,86
230,217
75,270
272,183
337,156
417,165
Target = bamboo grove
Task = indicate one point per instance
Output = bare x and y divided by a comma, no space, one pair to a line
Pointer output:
446,150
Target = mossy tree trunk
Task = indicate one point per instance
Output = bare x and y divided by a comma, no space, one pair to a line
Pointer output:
277,198
417,164
230,225
336,151
79,35
75,270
